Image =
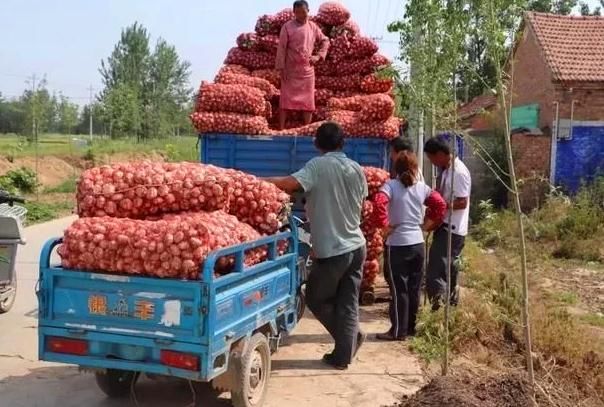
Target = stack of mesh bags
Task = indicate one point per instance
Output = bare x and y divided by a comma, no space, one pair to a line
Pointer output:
163,219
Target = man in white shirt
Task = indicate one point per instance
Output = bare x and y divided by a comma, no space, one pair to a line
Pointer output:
458,205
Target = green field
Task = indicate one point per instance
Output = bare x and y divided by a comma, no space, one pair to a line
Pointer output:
174,148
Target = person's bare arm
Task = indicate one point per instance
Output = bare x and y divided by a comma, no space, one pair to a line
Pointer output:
288,184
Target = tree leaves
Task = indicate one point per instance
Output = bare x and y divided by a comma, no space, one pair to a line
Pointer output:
145,93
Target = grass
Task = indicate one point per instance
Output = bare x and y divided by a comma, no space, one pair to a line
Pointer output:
173,148
488,322
593,319
565,297
66,187
40,212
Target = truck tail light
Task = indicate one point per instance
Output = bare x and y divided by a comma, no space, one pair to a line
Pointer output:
179,360
68,346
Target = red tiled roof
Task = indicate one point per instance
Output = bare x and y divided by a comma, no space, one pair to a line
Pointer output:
476,105
573,46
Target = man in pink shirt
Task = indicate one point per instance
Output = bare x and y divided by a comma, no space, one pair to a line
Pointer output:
295,62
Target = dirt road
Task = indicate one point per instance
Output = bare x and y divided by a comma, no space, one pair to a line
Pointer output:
382,373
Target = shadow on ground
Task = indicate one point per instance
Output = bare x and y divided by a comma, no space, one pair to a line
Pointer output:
68,387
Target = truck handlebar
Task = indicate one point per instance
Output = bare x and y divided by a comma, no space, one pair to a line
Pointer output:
10,199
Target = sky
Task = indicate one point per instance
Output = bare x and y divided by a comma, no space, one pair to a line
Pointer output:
65,40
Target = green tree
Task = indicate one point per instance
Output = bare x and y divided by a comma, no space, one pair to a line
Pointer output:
98,118
564,7
40,110
145,93
67,116
169,93
125,75
123,111
586,11
13,115
433,35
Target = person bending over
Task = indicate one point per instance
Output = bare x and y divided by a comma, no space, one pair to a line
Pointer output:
335,188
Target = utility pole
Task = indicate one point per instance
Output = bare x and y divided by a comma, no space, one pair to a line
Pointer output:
416,124
34,125
32,80
90,89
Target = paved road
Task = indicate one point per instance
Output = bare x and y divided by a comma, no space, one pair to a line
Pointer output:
382,373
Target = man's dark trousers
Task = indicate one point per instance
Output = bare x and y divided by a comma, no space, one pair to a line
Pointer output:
332,294
436,275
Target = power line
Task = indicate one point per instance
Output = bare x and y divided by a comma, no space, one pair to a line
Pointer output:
90,111
54,82
376,17
389,8
368,15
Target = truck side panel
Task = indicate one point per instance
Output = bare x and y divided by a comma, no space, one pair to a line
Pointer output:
282,155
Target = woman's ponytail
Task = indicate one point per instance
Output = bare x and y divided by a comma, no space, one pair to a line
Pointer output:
406,169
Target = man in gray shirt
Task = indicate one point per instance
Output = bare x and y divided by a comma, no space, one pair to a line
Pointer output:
335,188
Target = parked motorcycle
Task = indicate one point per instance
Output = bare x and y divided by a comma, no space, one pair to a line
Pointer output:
11,236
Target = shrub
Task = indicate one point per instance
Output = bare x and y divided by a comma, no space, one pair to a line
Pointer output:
23,180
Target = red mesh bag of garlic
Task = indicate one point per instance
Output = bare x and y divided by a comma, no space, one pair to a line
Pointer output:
271,75
375,245
265,86
378,107
348,29
142,189
250,59
233,69
225,122
256,202
354,126
254,42
371,269
362,66
271,24
346,82
355,48
370,107
376,178
372,84
174,246
218,97
331,13
303,130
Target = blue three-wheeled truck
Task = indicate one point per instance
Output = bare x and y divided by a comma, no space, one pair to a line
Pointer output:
219,330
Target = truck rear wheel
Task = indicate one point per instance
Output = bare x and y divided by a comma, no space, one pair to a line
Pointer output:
300,305
116,383
252,374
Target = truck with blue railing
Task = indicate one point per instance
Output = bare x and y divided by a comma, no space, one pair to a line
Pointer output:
211,330
220,330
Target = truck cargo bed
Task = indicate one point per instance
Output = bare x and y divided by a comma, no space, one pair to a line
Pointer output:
122,322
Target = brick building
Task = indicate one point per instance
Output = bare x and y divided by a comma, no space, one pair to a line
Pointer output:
476,114
558,88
